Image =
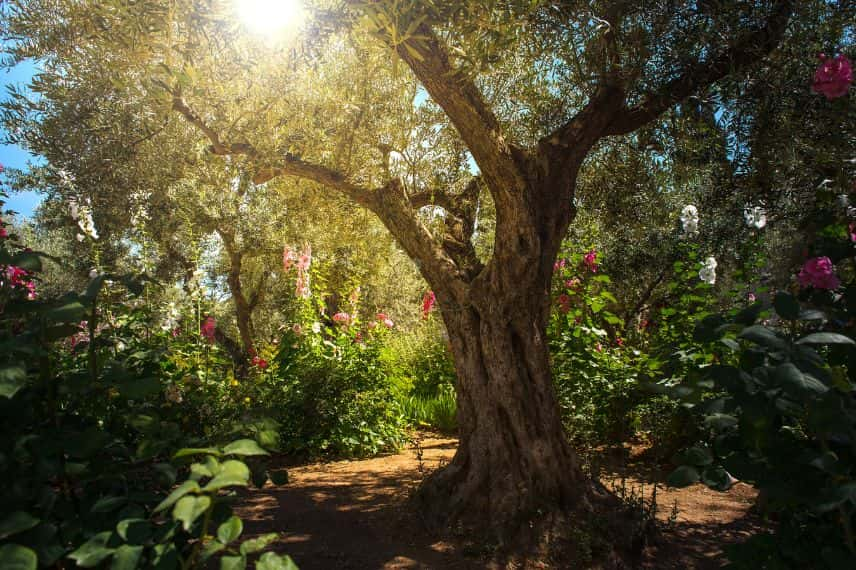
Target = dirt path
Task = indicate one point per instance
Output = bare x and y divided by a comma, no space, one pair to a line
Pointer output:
352,515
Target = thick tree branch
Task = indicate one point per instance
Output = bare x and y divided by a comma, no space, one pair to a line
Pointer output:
748,49
289,164
463,103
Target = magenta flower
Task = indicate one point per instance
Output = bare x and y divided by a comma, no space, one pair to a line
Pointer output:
428,303
818,272
207,329
852,231
590,260
833,76
751,297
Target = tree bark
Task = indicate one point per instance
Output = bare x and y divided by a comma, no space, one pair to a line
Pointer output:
513,460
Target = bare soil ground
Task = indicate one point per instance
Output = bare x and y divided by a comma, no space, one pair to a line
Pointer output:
353,515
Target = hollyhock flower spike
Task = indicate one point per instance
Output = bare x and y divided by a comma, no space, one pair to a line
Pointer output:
208,328
564,302
819,273
428,303
833,76
287,258
707,273
342,318
689,219
755,216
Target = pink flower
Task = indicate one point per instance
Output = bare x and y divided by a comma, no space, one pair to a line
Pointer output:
590,260
388,323
382,316
287,258
342,318
428,301
297,329
304,261
31,290
560,264
819,273
175,332
852,231
751,297
564,303
833,76
15,275
209,326
573,283
372,325
598,347
619,341
260,362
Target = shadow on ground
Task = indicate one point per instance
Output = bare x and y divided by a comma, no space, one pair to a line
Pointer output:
354,515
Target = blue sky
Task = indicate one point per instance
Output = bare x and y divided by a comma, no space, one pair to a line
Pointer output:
12,156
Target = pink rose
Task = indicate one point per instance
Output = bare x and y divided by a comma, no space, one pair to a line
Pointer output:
833,76
590,260
819,273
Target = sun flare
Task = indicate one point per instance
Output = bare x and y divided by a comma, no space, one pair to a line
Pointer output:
270,17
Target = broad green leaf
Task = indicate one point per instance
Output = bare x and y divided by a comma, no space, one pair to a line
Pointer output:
165,557
244,447
683,476
230,530
13,377
29,260
126,557
273,561
233,563
716,478
786,306
177,493
187,451
189,508
826,338
794,380
764,337
695,455
134,531
212,548
108,504
17,557
92,552
68,312
232,472
16,522
258,544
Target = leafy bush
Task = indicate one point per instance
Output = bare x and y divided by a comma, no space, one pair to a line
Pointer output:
87,424
784,421
335,395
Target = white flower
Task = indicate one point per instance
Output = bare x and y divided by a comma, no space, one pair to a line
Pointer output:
755,216
73,210
707,273
689,219
316,327
86,224
80,237
843,201
93,273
